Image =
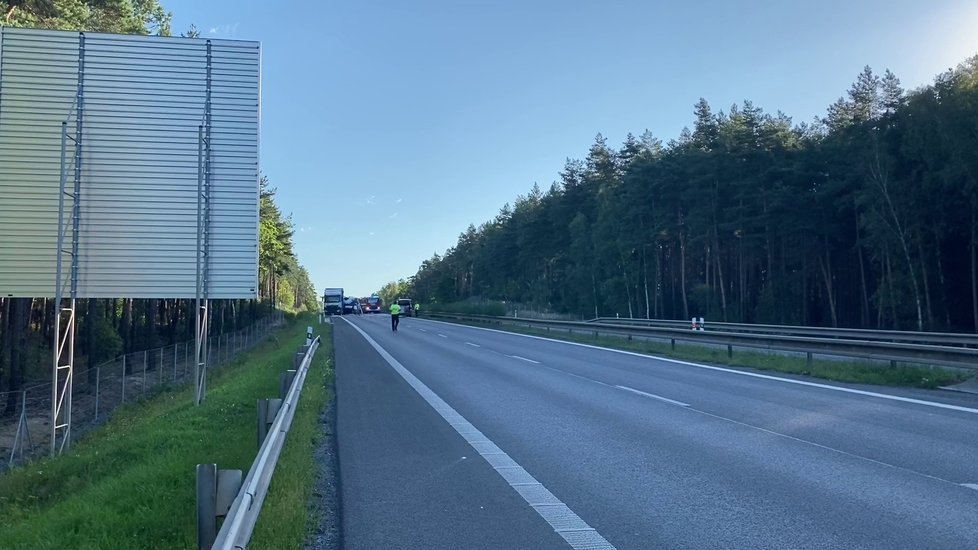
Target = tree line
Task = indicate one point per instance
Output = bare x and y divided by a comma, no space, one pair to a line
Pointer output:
866,217
109,327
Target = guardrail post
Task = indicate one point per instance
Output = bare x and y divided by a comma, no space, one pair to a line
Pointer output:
206,505
299,356
228,485
216,490
267,409
285,382
175,347
160,366
729,351
145,364
808,361
672,342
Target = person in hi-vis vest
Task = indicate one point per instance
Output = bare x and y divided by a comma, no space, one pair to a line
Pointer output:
395,316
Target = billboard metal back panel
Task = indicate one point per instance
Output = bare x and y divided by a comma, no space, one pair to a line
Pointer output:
143,99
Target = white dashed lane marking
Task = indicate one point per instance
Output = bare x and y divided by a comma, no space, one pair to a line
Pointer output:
653,396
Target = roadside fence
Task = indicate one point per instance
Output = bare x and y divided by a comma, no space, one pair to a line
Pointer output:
99,390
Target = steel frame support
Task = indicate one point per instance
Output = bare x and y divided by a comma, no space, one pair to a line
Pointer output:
203,243
200,352
62,373
23,436
202,302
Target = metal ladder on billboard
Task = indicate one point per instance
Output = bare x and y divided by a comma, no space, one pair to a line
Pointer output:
62,376
203,241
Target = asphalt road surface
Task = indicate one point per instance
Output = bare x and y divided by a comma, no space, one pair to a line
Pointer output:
456,437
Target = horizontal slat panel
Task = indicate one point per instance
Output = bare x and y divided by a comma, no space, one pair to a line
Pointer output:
144,100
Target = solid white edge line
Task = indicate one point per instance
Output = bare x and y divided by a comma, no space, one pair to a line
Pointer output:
653,396
525,485
971,485
525,359
734,371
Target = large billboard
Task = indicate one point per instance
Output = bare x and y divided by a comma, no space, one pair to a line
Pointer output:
138,107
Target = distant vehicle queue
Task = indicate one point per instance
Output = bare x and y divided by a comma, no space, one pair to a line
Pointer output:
336,303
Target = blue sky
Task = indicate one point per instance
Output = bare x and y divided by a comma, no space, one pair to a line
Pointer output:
389,126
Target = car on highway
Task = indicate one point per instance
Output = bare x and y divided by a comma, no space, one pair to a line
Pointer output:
351,306
407,310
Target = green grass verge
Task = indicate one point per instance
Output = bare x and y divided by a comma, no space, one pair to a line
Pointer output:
863,372
285,520
130,484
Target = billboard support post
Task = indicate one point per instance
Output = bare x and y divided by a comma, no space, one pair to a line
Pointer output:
200,354
203,239
62,374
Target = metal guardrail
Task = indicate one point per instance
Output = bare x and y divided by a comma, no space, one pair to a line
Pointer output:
910,337
958,357
242,515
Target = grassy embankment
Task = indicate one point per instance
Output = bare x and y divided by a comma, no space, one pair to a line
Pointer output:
130,484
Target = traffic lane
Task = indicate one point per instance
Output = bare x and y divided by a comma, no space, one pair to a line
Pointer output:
698,383
933,441
642,471
962,399
408,480
466,358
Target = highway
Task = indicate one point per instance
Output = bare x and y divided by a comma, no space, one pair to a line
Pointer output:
458,437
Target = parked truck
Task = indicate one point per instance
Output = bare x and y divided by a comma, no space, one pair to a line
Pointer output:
333,301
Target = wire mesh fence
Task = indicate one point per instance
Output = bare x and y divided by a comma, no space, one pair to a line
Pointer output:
25,428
